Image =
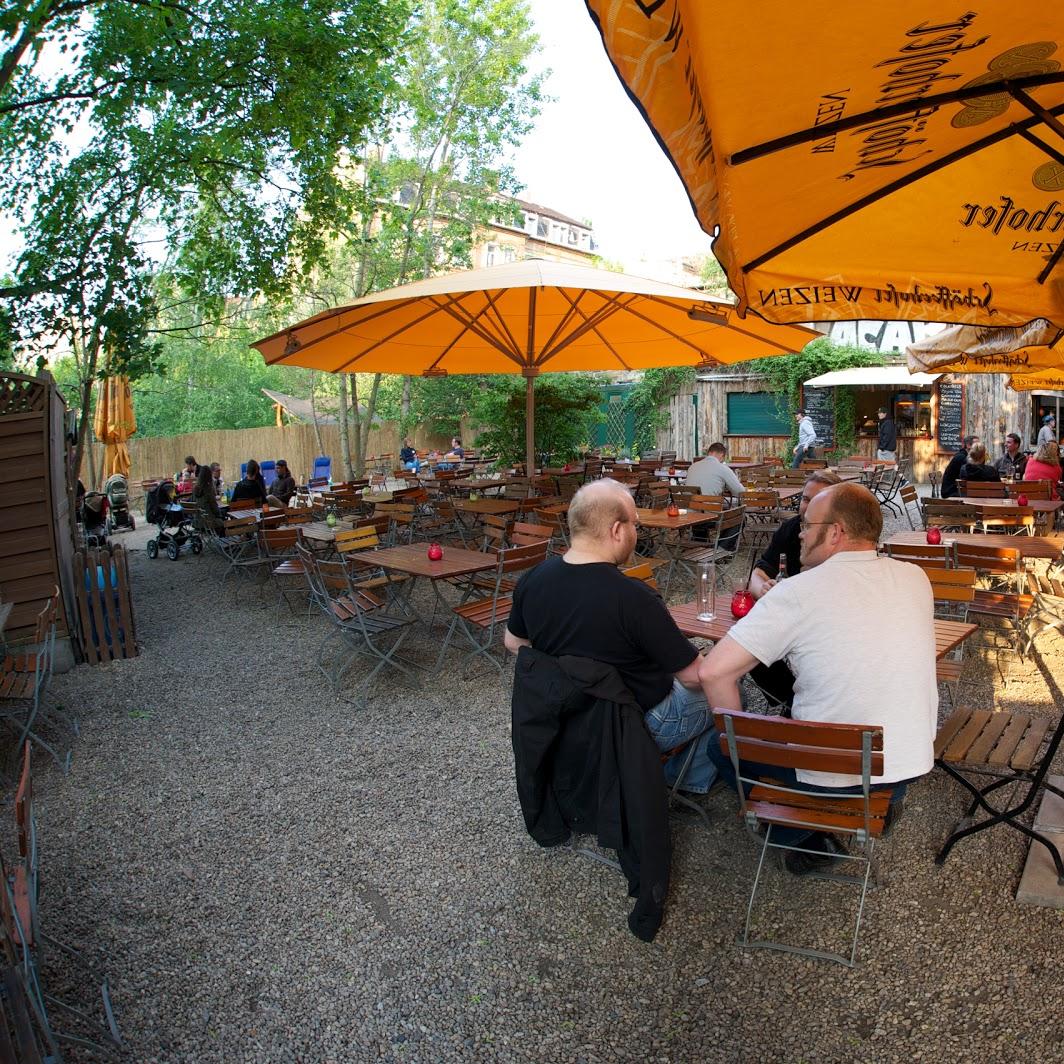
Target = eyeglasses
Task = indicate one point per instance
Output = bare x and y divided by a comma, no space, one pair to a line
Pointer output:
806,525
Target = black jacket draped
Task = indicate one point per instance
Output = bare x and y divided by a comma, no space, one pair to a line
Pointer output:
586,763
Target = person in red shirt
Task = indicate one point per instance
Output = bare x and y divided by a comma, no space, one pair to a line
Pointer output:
1045,465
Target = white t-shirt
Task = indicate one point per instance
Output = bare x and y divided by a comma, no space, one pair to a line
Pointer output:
858,633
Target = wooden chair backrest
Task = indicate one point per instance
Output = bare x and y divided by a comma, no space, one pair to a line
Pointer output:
952,585
1014,517
801,744
356,539
277,539
496,529
814,463
524,532
761,500
908,494
984,489
237,526
1033,489
916,552
740,458
657,496
948,514
730,519
379,524
516,491
517,559
643,573
987,559
706,504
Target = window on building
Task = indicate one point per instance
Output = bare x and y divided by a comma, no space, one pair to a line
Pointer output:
531,221
543,228
572,236
508,253
490,252
756,414
1041,406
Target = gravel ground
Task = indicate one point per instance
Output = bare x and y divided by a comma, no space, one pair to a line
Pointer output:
271,875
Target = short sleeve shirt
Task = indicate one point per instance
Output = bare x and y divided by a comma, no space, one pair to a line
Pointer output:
858,633
595,611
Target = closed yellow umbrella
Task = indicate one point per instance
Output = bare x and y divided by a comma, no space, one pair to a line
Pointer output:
1041,380
528,317
114,423
1029,348
878,161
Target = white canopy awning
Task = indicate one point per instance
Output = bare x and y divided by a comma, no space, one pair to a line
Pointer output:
889,376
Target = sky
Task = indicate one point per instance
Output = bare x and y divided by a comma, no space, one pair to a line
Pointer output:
592,156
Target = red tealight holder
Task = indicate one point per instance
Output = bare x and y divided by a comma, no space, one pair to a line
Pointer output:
673,510
1021,500
934,535
742,602
672,471
435,552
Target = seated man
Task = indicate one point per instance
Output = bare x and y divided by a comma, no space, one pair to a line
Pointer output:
776,680
1013,462
283,487
580,603
455,456
408,456
711,476
857,631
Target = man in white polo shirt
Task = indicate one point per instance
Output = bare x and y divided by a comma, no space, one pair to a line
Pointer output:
857,631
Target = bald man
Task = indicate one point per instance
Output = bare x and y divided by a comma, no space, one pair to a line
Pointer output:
581,604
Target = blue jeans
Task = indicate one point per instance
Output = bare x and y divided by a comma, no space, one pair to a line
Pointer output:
788,778
801,455
415,465
681,715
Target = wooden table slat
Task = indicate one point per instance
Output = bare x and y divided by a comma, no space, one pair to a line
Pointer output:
963,740
1010,739
949,729
988,737
1024,756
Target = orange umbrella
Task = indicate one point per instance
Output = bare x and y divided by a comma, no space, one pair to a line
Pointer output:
528,317
901,160
114,423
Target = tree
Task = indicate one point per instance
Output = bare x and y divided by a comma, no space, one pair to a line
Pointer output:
433,177
218,127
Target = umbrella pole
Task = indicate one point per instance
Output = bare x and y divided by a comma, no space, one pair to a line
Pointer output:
530,375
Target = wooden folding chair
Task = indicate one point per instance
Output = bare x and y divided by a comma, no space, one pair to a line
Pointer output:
984,489
1014,750
909,498
949,515
481,619
851,749
938,554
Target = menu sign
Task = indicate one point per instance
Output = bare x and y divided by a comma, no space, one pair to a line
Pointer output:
950,416
820,406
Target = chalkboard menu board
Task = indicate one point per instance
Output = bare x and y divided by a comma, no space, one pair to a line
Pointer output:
950,416
820,406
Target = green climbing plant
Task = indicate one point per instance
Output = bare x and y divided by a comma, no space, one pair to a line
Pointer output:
786,374
649,399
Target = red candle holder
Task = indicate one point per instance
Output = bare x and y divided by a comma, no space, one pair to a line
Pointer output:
934,535
435,552
742,602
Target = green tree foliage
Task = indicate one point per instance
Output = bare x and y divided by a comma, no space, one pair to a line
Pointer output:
208,133
566,410
433,175
786,374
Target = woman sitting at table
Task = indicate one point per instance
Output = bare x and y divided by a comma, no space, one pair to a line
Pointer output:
203,495
1045,465
252,489
976,468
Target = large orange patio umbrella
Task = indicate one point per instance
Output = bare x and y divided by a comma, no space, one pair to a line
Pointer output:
879,161
528,317
114,423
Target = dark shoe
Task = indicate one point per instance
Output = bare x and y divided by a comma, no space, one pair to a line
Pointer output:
829,853
895,811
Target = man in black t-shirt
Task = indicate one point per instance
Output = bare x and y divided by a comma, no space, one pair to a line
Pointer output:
954,467
776,680
582,604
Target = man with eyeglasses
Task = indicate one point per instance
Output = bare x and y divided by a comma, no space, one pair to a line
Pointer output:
776,680
857,631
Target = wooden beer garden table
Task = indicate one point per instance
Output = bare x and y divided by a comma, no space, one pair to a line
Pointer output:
1039,506
495,507
948,634
1050,547
412,559
322,531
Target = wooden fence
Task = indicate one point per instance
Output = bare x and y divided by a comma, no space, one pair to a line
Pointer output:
296,444
106,626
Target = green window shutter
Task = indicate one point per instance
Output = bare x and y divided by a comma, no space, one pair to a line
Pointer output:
756,414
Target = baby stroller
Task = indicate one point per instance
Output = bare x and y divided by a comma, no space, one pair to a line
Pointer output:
116,488
175,526
94,518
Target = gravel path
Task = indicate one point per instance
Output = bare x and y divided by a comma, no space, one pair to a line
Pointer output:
276,876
